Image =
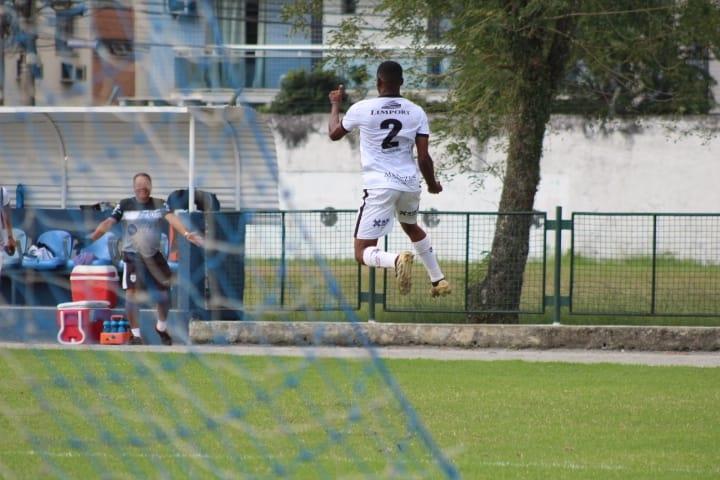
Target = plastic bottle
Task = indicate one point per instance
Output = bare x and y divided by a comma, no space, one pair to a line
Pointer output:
20,196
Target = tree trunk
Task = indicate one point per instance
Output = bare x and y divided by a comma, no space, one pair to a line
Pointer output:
501,288
497,296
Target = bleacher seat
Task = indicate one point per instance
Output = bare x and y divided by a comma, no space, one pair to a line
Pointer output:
60,243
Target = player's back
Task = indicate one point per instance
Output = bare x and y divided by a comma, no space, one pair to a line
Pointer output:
388,128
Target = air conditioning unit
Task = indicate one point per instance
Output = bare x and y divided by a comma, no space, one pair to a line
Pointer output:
71,73
182,8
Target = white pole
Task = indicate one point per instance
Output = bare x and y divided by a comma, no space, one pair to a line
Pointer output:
238,166
64,179
191,166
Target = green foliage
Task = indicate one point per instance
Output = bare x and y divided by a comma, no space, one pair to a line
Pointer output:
428,105
653,61
306,92
623,57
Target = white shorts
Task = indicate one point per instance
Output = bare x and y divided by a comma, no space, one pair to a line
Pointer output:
379,208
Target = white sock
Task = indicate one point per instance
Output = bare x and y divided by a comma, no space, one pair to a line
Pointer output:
374,257
135,332
424,250
161,325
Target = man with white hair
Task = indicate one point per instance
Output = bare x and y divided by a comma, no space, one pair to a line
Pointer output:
146,271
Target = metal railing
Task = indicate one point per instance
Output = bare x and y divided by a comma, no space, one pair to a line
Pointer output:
611,264
649,264
304,260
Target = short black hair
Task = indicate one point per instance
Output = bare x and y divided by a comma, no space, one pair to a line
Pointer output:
390,72
142,174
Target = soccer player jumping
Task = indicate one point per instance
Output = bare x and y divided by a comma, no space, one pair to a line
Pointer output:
389,127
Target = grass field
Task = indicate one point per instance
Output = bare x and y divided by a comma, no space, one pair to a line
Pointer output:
90,414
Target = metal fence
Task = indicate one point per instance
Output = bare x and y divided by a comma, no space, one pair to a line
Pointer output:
278,260
463,242
653,264
615,264
304,260
644,264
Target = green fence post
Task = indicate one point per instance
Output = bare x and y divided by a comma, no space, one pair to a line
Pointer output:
558,265
653,280
283,267
467,260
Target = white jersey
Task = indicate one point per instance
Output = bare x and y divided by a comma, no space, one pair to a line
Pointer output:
388,128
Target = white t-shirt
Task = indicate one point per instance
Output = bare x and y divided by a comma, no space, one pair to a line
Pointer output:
388,128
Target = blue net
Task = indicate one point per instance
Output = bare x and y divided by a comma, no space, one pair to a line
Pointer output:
162,87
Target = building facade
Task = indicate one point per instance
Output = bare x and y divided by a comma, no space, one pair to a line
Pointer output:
96,52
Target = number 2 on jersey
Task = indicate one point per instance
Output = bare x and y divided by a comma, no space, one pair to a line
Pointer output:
396,126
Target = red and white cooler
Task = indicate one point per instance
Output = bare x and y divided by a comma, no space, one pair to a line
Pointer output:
81,322
94,282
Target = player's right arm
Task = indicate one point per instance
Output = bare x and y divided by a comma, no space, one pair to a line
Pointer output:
336,131
102,228
425,163
108,223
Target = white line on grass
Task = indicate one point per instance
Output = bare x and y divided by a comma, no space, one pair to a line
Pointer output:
600,466
78,454
570,466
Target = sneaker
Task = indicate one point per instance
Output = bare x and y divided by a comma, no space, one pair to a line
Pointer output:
441,289
135,340
403,272
164,336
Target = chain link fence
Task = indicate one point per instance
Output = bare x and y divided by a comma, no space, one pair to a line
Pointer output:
645,264
463,242
304,260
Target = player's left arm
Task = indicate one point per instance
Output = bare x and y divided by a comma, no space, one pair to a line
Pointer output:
192,237
425,163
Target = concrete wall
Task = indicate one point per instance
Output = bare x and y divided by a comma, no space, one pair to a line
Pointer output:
458,336
647,165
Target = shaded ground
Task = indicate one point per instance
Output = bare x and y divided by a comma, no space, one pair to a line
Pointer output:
697,359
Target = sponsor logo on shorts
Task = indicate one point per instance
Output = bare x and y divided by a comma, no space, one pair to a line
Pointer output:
380,222
133,277
408,213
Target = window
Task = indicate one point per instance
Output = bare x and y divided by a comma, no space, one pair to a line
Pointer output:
69,73
348,7
209,72
63,32
119,48
182,7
